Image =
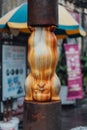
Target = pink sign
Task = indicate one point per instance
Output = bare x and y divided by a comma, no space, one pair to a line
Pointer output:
74,71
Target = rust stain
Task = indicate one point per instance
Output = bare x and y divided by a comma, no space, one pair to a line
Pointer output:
37,117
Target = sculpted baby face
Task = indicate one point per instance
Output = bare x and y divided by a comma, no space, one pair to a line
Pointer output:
41,90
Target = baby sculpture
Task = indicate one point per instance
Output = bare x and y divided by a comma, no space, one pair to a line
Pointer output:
42,83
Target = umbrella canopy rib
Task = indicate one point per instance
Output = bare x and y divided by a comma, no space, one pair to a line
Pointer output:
17,19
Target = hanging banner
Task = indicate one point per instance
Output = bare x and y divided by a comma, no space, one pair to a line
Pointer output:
74,71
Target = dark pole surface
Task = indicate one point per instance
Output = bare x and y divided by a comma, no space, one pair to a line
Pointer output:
0,8
42,116
42,12
83,27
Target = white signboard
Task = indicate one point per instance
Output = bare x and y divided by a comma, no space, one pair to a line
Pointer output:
13,71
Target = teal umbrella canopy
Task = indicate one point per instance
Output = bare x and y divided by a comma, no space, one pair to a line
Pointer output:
17,19
15,16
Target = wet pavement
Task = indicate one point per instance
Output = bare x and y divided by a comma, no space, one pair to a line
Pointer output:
74,115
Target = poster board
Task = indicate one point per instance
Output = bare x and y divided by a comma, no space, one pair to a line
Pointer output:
74,71
13,71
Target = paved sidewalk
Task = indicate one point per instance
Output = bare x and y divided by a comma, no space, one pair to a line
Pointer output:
75,115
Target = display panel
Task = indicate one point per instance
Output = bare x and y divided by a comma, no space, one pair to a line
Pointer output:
13,71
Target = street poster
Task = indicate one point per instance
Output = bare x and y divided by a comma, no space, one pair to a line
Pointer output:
13,71
72,53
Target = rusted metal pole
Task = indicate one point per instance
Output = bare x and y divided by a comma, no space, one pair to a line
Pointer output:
42,105
42,13
0,8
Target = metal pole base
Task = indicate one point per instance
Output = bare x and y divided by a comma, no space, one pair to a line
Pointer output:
42,116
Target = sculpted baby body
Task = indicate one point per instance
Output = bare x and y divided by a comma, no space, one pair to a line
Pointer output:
42,57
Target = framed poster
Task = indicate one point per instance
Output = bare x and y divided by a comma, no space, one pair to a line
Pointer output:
13,71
